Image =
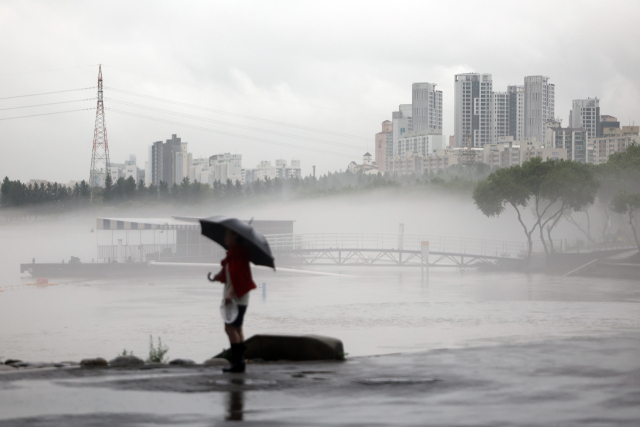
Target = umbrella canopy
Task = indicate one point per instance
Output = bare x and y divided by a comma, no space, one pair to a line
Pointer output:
216,227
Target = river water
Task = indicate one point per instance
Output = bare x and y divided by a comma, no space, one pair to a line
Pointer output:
373,310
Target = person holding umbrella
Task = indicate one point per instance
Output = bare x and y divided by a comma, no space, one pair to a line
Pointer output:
243,245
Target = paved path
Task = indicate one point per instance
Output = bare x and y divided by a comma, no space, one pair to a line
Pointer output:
567,382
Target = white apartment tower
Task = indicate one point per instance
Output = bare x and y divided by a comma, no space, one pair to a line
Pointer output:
426,109
585,114
472,105
500,106
516,112
539,101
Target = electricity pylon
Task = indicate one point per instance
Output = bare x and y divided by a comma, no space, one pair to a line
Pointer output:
100,155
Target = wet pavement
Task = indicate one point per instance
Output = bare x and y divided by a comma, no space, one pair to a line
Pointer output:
584,380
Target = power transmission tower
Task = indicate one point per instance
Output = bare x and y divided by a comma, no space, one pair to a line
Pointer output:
100,155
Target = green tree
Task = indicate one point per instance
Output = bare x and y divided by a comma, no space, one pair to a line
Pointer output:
129,188
502,188
567,186
141,190
152,192
107,193
625,203
164,190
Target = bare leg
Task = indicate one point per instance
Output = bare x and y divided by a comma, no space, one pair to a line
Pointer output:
234,334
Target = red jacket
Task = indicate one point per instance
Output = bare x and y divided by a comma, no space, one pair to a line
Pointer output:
238,258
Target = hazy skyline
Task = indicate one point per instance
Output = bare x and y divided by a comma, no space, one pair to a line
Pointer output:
341,66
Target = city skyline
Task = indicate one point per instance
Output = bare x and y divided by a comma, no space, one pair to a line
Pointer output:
344,81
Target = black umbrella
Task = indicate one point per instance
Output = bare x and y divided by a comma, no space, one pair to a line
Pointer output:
216,227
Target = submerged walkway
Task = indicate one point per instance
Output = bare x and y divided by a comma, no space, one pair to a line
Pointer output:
535,384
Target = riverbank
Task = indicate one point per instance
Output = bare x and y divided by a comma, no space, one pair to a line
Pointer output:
542,383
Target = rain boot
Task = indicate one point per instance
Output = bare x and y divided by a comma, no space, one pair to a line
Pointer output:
237,359
232,360
241,363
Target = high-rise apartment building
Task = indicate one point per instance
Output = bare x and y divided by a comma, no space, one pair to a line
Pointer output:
539,102
384,145
516,112
401,123
170,161
426,106
585,113
500,108
472,105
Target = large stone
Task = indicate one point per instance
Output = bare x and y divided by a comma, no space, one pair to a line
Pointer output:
126,362
36,365
12,361
216,361
93,363
294,347
182,362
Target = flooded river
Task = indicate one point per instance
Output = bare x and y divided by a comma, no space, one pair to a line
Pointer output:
373,310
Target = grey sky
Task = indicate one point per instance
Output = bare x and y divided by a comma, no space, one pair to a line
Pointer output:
342,66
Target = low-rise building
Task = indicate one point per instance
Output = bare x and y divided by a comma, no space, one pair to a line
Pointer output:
225,166
573,140
368,166
613,141
266,170
418,164
418,143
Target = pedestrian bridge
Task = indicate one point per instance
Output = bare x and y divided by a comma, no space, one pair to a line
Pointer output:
382,249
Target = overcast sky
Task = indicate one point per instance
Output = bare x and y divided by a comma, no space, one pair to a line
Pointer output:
342,66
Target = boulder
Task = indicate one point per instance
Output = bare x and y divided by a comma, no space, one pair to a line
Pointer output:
12,361
93,363
7,368
36,365
216,361
294,347
20,364
126,362
182,362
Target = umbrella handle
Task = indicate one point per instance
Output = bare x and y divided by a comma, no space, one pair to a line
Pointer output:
209,277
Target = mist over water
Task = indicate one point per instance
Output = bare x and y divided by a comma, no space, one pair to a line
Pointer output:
374,310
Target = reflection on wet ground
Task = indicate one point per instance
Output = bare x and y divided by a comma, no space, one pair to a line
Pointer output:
235,405
569,381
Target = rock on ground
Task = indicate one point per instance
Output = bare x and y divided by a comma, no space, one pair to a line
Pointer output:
294,347
182,362
126,362
98,361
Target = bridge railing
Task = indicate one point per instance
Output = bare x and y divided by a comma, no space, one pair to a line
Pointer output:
390,241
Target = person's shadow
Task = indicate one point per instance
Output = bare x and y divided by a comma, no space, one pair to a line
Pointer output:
235,406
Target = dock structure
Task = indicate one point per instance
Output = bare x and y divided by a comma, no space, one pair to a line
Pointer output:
174,239
137,245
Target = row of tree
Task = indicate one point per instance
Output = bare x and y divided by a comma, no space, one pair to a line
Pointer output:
17,194
556,189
